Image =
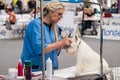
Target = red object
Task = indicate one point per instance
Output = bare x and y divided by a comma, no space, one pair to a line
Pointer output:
1,77
20,68
107,15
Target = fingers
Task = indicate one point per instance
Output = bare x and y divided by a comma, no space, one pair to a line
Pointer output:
67,41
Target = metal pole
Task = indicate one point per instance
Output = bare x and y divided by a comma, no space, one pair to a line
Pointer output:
42,40
101,40
35,10
101,36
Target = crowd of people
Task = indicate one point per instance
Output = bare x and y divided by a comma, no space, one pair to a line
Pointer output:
34,11
13,9
18,7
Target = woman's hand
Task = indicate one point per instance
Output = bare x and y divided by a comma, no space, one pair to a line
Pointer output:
66,42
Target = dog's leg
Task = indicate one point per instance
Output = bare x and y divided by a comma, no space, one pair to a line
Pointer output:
79,69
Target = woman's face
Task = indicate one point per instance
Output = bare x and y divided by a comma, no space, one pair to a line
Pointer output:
56,15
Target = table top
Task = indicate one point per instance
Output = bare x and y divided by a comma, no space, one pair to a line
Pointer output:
89,77
94,18
53,78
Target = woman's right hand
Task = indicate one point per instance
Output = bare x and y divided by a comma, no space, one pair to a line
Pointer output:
66,42
63,44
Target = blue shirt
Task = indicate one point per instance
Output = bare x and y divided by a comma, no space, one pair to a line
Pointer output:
32,46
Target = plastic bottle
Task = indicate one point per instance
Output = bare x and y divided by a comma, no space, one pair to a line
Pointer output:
12,72
28,70
20,68
49,69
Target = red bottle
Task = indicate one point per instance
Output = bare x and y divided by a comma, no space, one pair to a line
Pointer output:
20,68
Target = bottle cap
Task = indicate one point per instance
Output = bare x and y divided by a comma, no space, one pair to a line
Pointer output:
28,63
49,59
20,60
12,72
20,77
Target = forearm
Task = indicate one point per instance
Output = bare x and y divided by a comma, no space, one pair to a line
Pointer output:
53,46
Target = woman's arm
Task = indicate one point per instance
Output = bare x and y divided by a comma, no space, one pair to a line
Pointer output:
58,45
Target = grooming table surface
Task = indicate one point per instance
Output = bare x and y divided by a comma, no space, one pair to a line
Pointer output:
69,74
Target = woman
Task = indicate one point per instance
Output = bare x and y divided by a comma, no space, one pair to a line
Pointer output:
32,47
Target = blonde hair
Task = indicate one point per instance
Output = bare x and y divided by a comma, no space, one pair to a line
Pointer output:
53,6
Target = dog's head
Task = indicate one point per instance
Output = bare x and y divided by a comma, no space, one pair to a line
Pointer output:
74,45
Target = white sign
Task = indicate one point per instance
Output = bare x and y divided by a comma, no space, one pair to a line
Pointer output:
3,32
111,29
110,32
16,32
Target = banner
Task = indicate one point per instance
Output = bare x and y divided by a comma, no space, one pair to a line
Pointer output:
71,1
111,29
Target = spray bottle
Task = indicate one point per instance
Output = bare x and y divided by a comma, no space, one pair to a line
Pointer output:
49,69
20,68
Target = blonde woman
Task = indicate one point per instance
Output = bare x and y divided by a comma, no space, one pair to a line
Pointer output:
32,46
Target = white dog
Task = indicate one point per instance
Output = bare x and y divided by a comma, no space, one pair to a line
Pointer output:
88,61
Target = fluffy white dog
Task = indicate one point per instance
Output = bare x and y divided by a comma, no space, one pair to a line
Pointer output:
88,61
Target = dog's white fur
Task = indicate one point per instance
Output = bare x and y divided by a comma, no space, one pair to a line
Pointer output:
88,61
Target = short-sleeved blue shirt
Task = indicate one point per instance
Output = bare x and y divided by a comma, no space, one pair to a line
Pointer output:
32,46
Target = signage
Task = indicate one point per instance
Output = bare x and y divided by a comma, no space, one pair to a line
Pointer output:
71,1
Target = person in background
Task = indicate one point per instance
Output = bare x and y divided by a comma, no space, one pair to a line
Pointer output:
53,42
19,5
2,5
37,12
12,16
12,5
118,6
88,12
31,4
